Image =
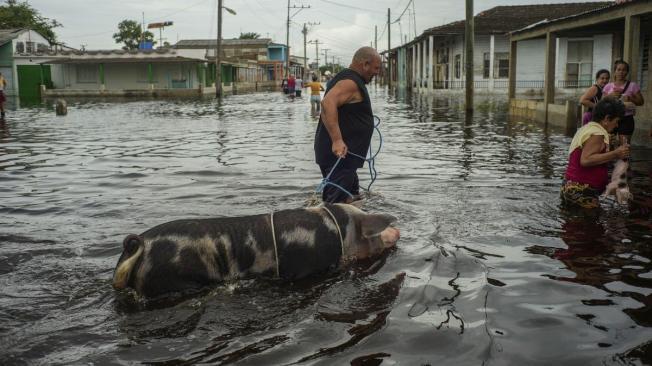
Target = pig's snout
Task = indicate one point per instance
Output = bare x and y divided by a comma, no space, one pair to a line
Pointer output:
390,236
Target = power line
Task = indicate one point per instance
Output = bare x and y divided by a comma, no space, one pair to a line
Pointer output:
178,11
343,20
350,6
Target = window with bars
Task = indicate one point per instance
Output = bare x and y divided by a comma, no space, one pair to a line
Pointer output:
645,62
485,66
579,64
458,66
86,73
501,65
142,73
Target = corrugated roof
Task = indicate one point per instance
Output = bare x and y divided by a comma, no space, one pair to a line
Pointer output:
505,19
548,21
7,35
113,56
211,43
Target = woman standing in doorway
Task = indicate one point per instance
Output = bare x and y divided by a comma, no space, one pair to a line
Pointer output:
630,93
3,85
593,94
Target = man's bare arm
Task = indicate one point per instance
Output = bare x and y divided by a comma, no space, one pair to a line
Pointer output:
343,92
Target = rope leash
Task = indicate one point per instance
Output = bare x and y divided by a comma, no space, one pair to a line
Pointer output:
339,231
271,222
371,162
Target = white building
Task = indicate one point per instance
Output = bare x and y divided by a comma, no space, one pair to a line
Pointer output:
436,59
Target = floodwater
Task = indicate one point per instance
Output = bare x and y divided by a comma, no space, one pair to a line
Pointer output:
489,269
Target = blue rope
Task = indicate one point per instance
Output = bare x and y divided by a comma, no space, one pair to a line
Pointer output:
371,162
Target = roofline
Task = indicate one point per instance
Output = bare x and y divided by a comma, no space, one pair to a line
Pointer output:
18,32
432,31
588,18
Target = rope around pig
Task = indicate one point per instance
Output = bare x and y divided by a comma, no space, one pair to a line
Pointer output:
371,162
271,222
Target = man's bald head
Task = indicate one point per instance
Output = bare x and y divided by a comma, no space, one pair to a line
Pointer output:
366,62
364,54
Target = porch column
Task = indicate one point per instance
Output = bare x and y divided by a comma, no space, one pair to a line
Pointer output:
150,75
414,67
492,52
102,86
631,46
424,62
549,79
431,68
419,52
512,69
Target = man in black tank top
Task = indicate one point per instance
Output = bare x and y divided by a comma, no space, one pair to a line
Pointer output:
346,124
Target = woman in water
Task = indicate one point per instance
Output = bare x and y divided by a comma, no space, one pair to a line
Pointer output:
593,94
630,93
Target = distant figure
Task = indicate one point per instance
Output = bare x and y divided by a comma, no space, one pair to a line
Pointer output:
587,173
315,95
284,86
630,93
346,125
61,107
291,85
3,85
298,85
593,94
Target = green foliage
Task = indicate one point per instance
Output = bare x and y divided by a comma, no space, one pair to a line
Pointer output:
22,15
130,33
249,35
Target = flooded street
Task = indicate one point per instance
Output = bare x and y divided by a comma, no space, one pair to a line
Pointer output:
489,269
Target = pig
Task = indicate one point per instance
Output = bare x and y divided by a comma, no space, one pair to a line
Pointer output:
618,186
193,253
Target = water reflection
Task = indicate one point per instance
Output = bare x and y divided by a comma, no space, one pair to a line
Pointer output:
494,271
601,254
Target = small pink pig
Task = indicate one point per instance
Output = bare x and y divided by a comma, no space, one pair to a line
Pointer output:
618,186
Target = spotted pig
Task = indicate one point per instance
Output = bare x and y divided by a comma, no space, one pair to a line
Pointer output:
193,253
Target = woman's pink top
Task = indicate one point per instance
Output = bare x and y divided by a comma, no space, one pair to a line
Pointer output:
632,89
596,176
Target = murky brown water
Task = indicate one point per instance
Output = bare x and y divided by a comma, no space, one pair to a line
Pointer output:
489,269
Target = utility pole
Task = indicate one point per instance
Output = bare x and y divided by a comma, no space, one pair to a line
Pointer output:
287,34
468,41
316,43
376,37
389,47
305,32
326,57
305,57
218,51
376,48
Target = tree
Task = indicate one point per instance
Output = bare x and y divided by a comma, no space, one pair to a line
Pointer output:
22,15
130,34
249,35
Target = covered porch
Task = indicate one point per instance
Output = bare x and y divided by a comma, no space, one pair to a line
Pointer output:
127,73
629,27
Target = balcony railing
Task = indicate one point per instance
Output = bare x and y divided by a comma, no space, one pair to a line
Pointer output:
504,84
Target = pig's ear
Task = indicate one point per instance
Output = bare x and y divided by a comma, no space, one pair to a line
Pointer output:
374,224
357,203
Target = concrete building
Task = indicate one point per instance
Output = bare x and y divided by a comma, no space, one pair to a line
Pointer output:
435,59
21,53
125,73
268,57
625,25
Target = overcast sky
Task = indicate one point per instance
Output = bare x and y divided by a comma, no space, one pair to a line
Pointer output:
344,25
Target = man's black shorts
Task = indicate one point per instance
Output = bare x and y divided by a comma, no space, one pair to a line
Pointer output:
347,178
